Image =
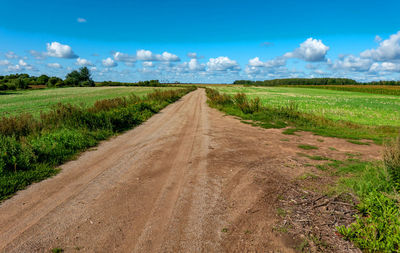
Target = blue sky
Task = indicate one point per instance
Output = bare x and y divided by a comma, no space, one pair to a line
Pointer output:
202,41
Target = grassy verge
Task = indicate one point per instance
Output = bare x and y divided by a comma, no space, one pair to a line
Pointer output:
289,116
31,148
377,225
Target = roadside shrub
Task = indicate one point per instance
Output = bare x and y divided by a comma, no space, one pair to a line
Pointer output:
377,229
14,155
218,99
58,146
20,125
391,158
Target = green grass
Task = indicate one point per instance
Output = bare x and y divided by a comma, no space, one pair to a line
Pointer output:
293,118
360,108
377,225
314,157
307,147
34,101
358,142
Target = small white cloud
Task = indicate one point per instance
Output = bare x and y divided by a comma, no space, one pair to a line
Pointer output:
378,39
15,68
255,62
22,63
385,66
38,55
148,64
192,55
311,50
83,62
222,63
169,57
118,56
4,62
81,20
55,49
194,65
109,63
388,50
353,63
11,55
276,62
147,55
54,65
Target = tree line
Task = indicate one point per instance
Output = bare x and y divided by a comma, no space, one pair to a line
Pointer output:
81,77
312,81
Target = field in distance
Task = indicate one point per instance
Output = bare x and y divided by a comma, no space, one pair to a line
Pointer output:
356,107
34,101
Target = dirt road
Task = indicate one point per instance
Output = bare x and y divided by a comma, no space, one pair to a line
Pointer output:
188,180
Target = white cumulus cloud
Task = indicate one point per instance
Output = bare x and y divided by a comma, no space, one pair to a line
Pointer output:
83,62
56,49
388,50
222,63
122,57
169,57
311,50
109,63
147,55
194,65
353,63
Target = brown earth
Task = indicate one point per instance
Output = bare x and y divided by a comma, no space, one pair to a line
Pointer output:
190,179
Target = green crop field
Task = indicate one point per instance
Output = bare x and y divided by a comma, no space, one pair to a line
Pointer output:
34,101
356,107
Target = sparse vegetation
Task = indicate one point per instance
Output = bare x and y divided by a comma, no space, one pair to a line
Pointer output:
307,147
358,142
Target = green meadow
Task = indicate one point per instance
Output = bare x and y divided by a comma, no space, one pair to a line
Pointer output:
35,101
356,107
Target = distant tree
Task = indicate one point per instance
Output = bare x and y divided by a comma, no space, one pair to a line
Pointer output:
55,82
43,79
79,78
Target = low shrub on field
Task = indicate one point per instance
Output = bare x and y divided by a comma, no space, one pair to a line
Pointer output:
30,146
391,158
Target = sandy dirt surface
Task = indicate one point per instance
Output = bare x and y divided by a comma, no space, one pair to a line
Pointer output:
190,179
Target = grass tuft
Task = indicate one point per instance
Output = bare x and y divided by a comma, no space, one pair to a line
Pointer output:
307,147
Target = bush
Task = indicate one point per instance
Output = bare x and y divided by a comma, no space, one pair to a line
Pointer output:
391,158
15,155
57,146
